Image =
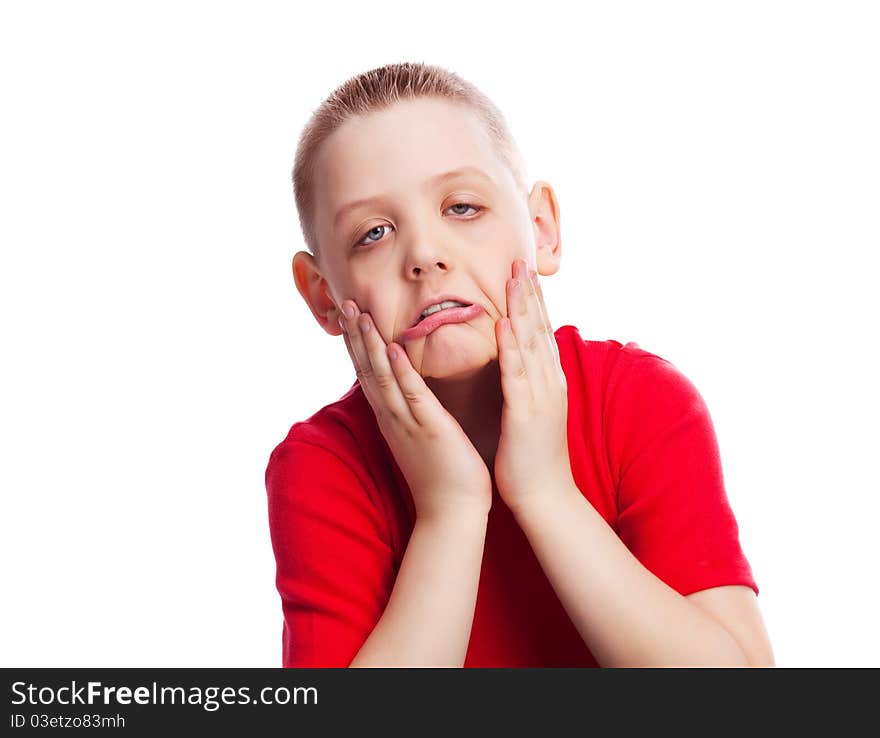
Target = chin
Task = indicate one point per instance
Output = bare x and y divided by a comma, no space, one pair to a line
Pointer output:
452,373
457,365
456,352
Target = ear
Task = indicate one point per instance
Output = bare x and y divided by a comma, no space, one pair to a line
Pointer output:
314,290
544,214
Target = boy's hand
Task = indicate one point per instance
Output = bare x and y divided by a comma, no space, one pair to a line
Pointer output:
445,473
532,459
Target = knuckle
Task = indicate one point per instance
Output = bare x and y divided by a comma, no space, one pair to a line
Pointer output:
432,434
385,381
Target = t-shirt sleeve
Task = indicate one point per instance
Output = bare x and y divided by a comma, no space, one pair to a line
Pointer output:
334,568
673,511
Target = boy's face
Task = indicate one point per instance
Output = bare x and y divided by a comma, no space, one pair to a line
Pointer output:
422,237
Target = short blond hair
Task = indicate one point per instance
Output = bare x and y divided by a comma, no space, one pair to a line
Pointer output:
378,89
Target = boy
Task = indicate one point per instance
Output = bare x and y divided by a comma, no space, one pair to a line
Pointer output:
489,492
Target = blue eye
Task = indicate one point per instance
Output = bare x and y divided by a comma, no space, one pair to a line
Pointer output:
366,240
467,205
366,235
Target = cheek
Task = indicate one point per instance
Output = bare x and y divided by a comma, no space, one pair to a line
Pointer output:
515,245
501,247
364,291
384,306
498,295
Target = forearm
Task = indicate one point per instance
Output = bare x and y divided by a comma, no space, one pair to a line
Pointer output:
429,615
624,613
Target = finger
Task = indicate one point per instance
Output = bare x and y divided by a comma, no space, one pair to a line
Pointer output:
539,297
356,342
514,378
384,384
528,327
363,365
548,326
348,345
423,403
530,306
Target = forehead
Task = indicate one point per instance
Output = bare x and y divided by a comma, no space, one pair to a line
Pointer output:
394,151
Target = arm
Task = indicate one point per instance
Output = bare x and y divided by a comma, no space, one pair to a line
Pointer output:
626,615
674,530
429,615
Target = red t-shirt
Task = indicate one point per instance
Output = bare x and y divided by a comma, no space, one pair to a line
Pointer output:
643,452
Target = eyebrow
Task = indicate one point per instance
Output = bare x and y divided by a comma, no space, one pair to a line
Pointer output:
430,182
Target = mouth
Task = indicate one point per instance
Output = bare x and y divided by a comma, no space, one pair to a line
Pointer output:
428,323
437,300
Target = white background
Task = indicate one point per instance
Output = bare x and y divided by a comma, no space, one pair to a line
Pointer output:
716,166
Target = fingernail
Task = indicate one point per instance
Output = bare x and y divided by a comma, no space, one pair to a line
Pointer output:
364,323
348,310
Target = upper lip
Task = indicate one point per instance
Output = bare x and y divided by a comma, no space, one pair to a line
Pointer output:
434,301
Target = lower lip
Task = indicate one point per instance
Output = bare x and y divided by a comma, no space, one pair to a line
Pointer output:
441,317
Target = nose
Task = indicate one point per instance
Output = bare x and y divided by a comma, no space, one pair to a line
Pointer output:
417,269
428,250
427,257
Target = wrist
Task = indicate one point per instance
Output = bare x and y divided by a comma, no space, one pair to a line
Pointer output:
463,517
549,500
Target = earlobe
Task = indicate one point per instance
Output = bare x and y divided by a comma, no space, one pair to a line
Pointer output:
312,287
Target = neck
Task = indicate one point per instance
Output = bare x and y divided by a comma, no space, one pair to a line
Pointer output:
475,401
